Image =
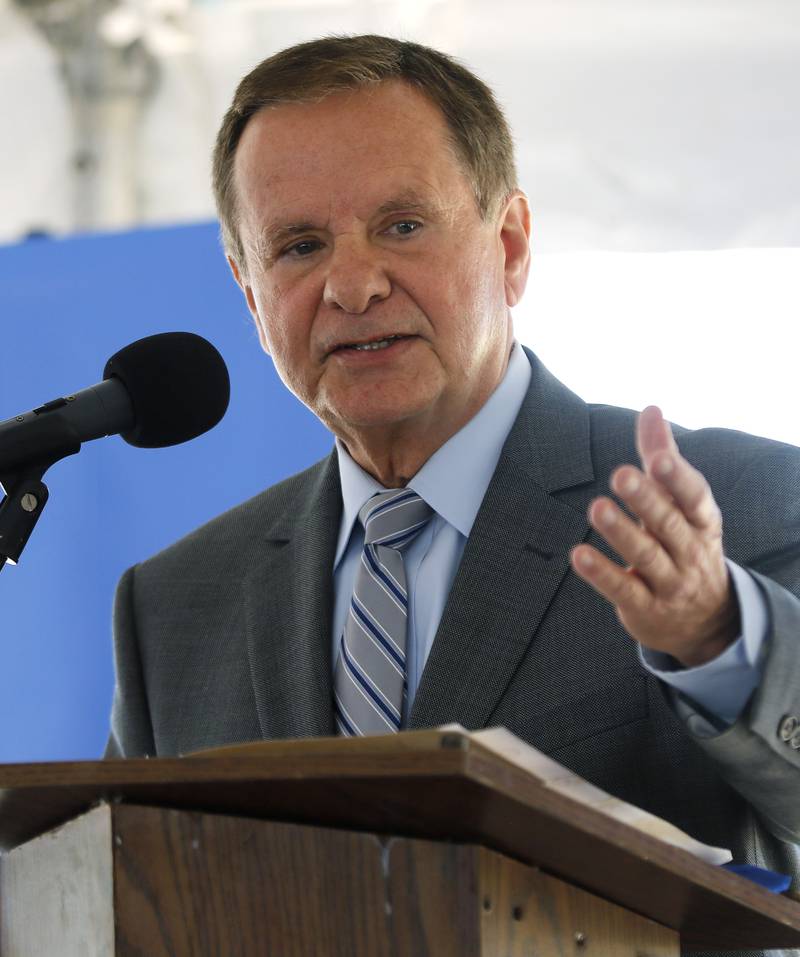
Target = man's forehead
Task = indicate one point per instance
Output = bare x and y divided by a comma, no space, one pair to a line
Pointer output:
388,121
358,155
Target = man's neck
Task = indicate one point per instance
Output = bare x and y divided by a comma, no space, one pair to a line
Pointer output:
393,463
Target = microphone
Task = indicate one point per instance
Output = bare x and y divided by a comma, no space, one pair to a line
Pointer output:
158,391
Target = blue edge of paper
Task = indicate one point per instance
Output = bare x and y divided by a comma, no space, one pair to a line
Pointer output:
777,883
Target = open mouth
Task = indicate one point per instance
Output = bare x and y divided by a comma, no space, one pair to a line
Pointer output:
371,346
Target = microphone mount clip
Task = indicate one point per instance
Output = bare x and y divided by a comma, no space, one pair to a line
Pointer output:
21,474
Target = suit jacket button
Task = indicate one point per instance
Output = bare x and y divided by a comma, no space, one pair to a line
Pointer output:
794,741
787,727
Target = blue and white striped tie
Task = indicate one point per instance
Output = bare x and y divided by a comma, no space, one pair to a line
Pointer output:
370,675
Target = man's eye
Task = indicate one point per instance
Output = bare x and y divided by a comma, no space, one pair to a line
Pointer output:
405,227
304,248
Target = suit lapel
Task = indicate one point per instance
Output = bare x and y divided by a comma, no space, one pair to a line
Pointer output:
514,561
288,609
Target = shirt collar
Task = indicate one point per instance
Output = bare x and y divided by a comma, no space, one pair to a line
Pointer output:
455,478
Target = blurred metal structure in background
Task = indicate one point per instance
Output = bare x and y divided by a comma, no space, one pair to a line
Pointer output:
110,76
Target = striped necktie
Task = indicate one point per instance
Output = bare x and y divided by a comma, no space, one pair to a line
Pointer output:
370,674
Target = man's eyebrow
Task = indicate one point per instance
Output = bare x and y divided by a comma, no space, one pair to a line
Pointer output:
273,234
408,203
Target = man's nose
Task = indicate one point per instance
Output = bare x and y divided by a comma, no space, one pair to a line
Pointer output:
356,278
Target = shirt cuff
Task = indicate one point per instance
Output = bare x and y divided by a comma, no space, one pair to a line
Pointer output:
722,686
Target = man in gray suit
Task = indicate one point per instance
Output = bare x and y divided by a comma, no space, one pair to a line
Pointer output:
371,215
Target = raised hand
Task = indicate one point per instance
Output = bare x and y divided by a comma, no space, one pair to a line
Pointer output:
674,595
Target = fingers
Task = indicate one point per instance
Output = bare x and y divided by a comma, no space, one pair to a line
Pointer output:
618,585
662,461
678,522
687,488
674,595
690,491
636,545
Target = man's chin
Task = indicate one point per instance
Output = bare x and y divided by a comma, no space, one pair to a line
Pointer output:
387,404
373,421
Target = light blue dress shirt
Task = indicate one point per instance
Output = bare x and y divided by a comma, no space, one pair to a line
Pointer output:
722,687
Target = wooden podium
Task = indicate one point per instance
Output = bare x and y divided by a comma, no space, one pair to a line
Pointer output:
424,843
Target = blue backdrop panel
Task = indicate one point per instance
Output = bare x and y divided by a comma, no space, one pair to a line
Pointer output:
65,307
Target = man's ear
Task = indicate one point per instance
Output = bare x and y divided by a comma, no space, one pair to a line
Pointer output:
251,301
515,232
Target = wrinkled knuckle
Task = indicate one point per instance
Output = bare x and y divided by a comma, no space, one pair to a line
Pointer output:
702,498
626,593
696,555
689,590
706,507
648,555
671,523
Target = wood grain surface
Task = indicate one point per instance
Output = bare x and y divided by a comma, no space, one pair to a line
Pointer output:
166,883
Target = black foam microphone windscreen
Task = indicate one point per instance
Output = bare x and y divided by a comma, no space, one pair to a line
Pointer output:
178,384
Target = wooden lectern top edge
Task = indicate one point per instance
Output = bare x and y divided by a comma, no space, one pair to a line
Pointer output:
433,783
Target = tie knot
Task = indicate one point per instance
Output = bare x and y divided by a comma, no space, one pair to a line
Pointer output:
394,518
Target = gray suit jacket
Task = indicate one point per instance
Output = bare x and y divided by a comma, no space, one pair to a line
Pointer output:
225,636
